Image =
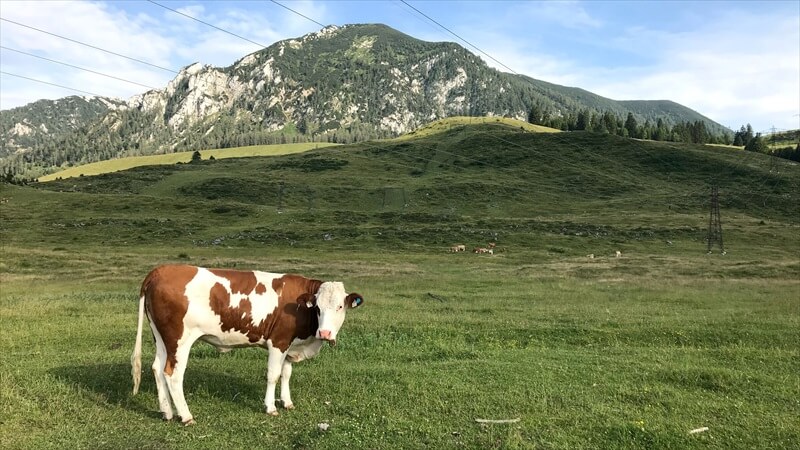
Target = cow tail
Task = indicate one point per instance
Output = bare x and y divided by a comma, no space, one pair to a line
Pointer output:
136,357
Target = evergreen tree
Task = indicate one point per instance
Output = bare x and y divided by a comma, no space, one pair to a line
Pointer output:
748,134
538,114
698,132
632,126
583,120
610,122
757,144
660,132
598,124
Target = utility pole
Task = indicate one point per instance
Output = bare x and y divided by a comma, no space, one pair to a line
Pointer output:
714,222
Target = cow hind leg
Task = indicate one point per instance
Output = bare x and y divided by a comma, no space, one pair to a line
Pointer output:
174,376
286,374
164,402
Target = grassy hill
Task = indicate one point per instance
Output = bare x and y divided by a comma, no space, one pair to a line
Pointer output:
603,352
439,126
491,173
115,165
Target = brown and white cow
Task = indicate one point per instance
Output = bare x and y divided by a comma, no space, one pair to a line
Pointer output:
289,315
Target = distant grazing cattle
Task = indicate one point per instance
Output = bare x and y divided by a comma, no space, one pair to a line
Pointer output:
618,254
288,315
458,248
483,250
491,245
590,256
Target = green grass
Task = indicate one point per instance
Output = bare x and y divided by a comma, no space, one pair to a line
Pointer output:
115,165
582,362
448,123
630,352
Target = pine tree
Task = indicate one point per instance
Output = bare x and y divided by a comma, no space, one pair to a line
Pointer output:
610,122
748,133
757,144
583,120
632,126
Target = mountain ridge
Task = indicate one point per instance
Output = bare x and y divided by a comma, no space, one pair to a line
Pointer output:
341,84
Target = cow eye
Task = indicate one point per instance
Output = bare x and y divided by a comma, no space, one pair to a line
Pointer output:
339,308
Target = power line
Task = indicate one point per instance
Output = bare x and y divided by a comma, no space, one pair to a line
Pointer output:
298,13
459,37
88,45
208,24
51,84
76,67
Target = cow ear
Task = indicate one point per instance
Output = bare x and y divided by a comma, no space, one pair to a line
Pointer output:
307,300
354,300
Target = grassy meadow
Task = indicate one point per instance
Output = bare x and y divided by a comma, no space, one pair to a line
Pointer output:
115,165
603,352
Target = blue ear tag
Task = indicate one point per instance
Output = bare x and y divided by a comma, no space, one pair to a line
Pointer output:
357,301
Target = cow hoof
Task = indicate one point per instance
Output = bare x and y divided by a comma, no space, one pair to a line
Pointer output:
166,418
289,406
186,423
272,413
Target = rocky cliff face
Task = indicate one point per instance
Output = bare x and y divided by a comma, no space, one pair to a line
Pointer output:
326,81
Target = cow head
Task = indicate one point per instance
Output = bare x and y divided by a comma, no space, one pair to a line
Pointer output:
332,303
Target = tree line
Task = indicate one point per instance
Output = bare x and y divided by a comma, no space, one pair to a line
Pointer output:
607,122
776,144
690,132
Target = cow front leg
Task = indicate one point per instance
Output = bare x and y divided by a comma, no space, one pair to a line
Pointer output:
286,374
274,367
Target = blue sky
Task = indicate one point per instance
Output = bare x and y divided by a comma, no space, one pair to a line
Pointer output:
736,62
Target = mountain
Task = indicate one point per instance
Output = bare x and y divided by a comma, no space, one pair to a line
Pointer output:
341,84
25,127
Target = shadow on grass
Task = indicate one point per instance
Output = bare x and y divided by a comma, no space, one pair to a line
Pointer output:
111,385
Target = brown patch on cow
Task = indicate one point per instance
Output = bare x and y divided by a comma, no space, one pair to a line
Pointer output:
295,320
289,321
242,282
166,304
237,318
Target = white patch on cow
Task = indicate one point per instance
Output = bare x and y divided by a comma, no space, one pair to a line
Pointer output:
264,304
330,301
301,349
200,315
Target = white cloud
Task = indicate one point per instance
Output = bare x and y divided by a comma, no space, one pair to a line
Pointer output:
94,24
731,76
727,74
568,14
154,35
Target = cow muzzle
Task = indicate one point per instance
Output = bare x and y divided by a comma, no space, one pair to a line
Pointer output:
325,335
